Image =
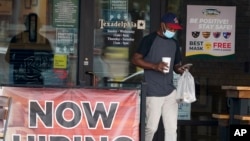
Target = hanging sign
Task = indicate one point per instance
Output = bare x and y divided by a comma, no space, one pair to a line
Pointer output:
57,114
210,31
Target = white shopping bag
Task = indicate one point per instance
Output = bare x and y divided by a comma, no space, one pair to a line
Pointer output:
186,88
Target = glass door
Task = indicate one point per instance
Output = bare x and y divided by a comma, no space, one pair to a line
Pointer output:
119,26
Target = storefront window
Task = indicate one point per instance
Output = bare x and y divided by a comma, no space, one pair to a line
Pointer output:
120,25
38,42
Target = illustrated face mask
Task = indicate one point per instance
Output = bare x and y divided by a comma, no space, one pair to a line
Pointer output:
169,34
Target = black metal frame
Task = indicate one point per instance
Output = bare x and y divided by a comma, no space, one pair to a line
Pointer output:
85,48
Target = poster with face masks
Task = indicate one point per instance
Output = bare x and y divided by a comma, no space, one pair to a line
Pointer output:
210,31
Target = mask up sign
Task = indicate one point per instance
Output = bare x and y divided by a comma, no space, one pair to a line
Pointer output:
210,31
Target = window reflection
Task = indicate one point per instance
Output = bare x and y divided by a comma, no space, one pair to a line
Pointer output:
29,54
43,49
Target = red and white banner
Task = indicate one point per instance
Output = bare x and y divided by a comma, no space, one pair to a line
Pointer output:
55,114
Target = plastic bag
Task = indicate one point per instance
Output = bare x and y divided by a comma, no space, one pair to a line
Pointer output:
186,88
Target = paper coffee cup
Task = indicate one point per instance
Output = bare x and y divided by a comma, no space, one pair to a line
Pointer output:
166,60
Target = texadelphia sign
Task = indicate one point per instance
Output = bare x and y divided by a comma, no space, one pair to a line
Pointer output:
54,114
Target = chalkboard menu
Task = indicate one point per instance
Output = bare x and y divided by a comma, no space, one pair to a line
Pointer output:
28,65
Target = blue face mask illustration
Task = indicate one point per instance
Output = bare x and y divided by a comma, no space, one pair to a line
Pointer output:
168,34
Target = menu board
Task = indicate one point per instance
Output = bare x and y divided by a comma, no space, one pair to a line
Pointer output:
29,65
65,13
